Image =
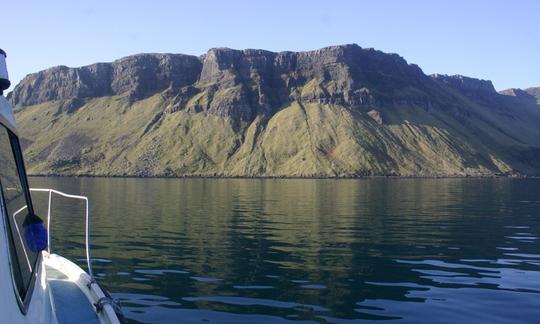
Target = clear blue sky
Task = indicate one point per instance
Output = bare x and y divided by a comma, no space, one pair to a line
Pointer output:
496,40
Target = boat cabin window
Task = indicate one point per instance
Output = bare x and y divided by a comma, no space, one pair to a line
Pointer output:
18,211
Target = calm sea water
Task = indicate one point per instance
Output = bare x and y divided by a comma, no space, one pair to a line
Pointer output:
235,250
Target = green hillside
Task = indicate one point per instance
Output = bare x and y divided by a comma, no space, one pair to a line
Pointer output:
280,124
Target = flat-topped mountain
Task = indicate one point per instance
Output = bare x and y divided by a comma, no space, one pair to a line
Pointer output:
237,83
337,111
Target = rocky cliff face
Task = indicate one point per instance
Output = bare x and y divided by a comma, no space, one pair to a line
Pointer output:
240,84
535,92
471,87
530,96
137,76
517,93
337,111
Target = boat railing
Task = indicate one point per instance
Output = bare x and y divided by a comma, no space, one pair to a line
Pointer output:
87,221
20,236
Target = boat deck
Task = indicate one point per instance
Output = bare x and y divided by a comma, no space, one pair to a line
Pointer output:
70,304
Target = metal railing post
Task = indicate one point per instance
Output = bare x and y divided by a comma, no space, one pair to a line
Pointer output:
49,223
88,258
20,236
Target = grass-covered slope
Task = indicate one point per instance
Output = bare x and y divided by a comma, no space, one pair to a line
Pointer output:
109,136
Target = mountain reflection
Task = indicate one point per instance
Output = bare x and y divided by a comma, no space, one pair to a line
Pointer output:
324,250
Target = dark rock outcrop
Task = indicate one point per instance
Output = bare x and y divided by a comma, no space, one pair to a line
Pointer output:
258,82
144,74
137,75
471,87
515,92
535,92
61,82
514,95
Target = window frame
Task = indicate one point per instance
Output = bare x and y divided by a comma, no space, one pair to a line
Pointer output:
23,301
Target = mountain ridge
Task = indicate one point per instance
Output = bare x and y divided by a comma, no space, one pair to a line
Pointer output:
337,111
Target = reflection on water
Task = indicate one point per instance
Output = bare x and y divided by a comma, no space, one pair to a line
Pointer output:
239,250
